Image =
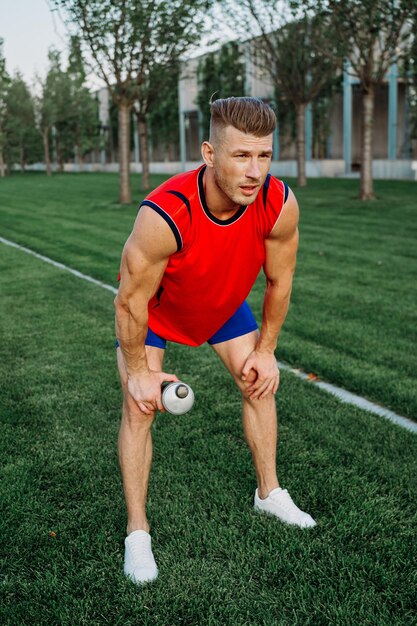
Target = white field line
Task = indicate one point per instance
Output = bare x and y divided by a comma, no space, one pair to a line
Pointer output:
352,398
342,394
61,266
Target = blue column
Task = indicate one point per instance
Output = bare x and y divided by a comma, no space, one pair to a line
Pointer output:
347,118
392,111
406,126
309,131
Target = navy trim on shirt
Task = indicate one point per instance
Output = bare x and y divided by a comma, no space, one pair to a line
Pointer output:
266,188
181,196
286,192
168,220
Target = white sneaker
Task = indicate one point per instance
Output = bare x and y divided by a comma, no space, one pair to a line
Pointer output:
140,564
279,503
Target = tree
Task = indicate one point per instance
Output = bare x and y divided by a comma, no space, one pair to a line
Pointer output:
66,109
4,87
22,138
59,95
158,91
126,41
45,106
297,55
410,76
372,34
83,107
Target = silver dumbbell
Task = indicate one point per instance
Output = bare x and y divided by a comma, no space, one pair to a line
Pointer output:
177,398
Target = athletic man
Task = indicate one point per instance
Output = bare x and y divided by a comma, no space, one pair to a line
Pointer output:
196,248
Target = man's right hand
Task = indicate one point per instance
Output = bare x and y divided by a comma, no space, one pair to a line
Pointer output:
145,389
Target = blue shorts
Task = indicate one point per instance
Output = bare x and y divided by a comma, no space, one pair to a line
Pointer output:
241,323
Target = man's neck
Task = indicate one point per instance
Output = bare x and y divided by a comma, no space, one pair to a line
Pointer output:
217,202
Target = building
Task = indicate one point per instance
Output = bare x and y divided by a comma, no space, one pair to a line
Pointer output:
394,150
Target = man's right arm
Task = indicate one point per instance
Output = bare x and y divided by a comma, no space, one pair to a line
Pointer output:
144,259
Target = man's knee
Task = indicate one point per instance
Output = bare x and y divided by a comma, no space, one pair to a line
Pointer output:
243,384
134,417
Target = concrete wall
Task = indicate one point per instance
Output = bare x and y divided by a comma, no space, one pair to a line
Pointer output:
329,168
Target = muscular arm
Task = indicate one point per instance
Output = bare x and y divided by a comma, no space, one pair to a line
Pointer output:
144,259
281,249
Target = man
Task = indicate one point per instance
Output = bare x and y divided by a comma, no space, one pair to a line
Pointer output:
195,251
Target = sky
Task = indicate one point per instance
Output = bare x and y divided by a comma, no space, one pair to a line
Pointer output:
29,29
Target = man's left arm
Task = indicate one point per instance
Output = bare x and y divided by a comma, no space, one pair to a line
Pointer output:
281,250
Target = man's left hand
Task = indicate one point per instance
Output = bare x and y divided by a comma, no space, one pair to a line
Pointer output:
260,374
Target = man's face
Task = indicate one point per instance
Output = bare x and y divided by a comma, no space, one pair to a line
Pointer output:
240,165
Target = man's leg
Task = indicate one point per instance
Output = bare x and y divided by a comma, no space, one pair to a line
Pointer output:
260,429
135,457
259,416
135,446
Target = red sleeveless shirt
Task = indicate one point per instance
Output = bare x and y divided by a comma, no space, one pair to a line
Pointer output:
216,263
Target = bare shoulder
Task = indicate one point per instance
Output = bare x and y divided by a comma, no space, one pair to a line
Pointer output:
287,224
151,237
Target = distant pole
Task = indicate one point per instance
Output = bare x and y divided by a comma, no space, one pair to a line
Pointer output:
347,118
392,111
309,132
135,138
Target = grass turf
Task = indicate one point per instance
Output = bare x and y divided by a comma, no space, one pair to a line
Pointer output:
353,318
220,562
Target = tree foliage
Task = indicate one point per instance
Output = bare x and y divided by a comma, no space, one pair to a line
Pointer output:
4,88
294,47
410,75
83,111
128,41
371,34
67,112
22,143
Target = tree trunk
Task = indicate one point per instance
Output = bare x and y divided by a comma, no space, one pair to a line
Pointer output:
22,159
60,159
47,157
144,151
367,192
2,169
125,194
80,157
301,145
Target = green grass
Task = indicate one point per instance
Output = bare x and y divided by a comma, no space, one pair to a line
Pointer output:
353,318
220,562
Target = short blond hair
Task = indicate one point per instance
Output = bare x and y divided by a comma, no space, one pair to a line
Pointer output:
249,115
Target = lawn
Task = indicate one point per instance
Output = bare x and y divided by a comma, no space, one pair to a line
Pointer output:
220,562
353,318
